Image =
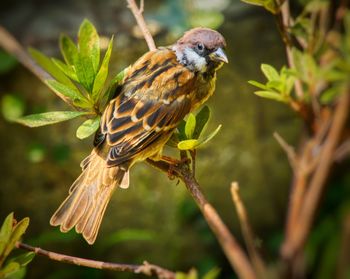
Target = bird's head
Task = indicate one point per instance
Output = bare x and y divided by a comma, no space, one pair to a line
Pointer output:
201,49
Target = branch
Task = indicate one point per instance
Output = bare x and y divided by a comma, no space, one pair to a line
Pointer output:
146,268
137,12
294,244
247,231
9,43
233,251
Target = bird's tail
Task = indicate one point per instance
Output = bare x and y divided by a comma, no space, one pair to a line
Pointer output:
88,198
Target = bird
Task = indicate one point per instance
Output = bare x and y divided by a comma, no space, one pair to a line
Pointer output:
157,92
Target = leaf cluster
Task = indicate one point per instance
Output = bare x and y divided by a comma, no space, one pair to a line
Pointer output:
190,132
10,233
80,79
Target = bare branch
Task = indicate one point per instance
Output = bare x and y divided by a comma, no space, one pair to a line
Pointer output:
312,197
288,149
233,251
137,12
146,268
247,231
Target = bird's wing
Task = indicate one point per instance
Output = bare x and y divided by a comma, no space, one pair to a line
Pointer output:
155,96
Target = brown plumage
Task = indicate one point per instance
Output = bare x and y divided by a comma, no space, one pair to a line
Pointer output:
158,91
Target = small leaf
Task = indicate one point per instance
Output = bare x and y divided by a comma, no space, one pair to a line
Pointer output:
181,129
202,119
12,107
89,127
258,84
60,88
271,95
5,232
48,118
254,2
190,126
68,49
24,258
275,84
103,72
16,234
66,69
51,68
89,44
270,72
206,139
189,144
192,274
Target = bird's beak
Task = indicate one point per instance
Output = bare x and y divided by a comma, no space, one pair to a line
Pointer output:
219,55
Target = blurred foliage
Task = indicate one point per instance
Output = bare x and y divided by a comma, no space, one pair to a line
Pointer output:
10,233
7,62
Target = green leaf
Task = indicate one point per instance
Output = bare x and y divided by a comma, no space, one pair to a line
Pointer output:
5,232
271,95
11,267
202,119
51,68
258,84
48,118
190,126
89,127
189,144
16,234
269,5
60,88
254,2
88,55
208,18
206,139
68,49
12,107
270,72
85,72
192,274
68,70
276,85
89,43
212,274
181,129
24,259
102,73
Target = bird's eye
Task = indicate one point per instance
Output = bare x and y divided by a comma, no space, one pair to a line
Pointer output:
200,47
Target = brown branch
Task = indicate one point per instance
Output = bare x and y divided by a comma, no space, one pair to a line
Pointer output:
146,268
11,45
247,231
137,12
296,240
233,251
288,149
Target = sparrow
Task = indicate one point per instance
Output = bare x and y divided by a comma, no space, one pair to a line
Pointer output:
157,92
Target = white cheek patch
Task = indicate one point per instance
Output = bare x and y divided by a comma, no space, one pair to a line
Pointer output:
195,59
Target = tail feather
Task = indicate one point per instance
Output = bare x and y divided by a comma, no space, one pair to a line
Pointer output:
88,198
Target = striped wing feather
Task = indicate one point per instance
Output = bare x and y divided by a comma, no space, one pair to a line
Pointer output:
155,97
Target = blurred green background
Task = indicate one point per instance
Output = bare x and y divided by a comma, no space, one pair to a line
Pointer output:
156,219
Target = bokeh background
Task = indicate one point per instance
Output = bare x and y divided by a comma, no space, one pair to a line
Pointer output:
156,219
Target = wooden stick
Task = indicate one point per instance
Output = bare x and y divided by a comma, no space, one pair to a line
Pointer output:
146,268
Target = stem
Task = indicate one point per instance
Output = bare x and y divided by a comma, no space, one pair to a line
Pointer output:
247,231
294,244
137,12
146,268
233,251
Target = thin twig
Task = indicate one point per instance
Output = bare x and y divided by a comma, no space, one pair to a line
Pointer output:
288,149
146,268
137,12
294,244
247,231
233,251
11,45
